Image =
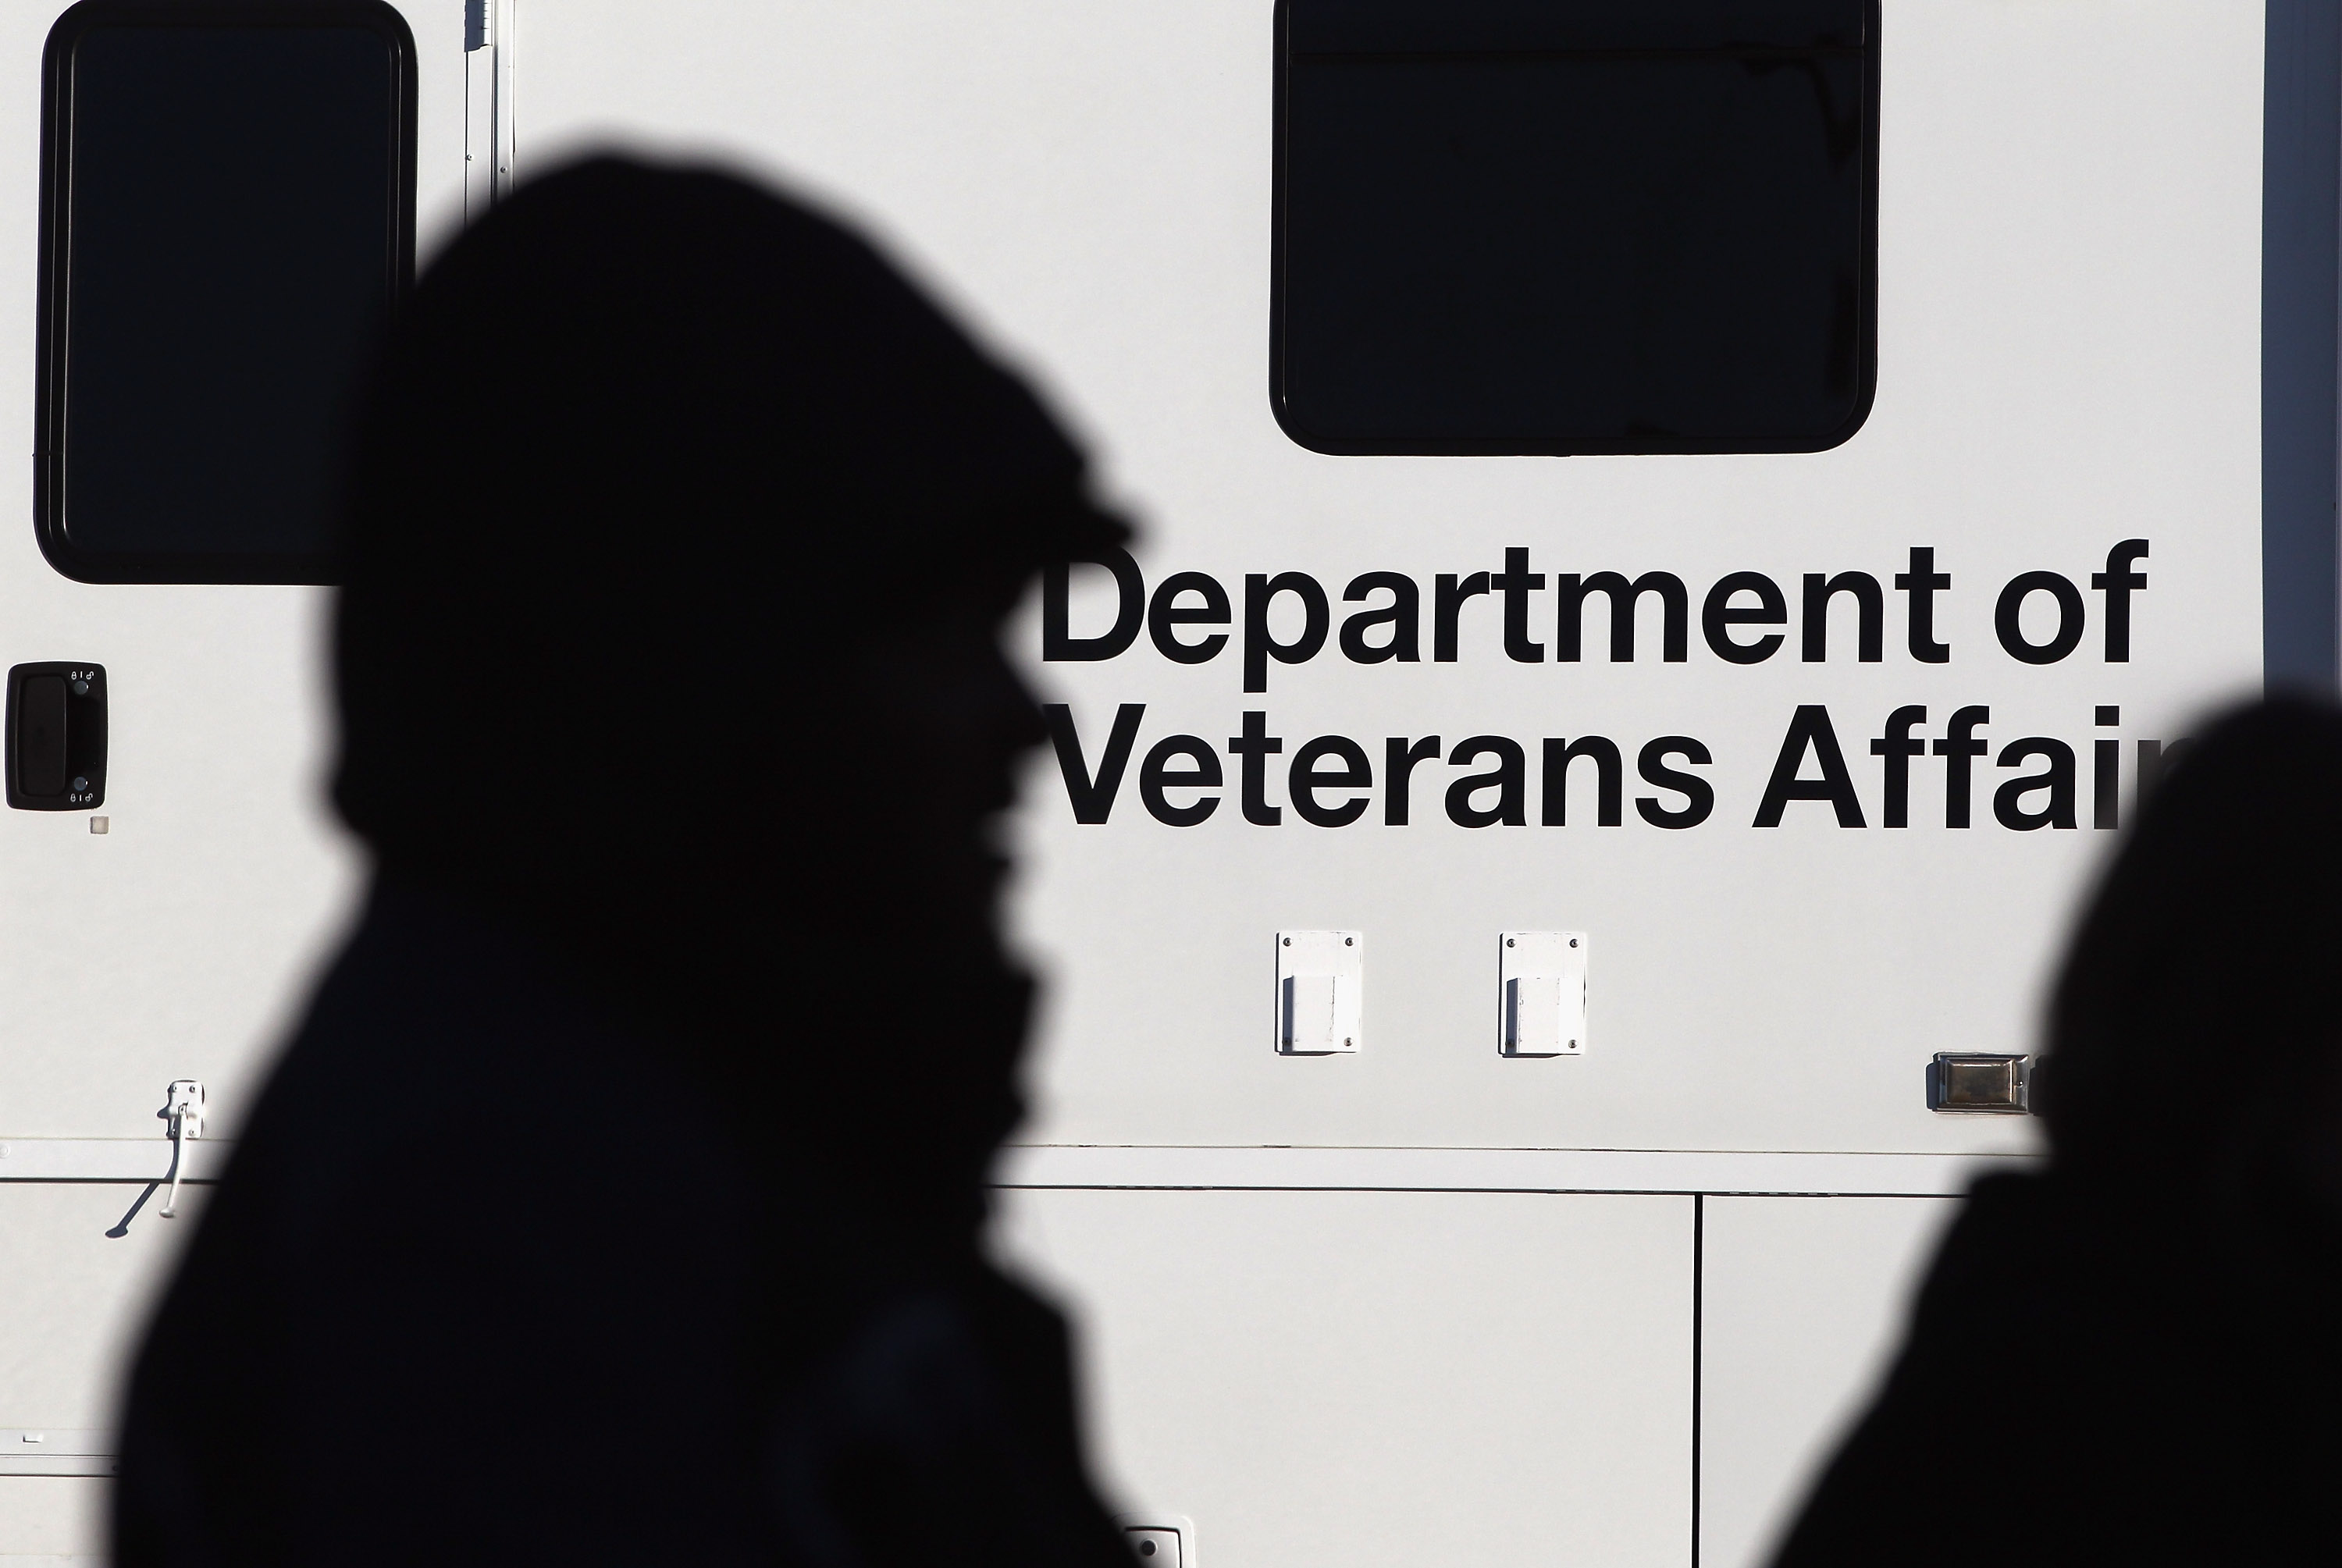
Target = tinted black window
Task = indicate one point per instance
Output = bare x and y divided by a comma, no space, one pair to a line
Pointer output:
1575,226
229,219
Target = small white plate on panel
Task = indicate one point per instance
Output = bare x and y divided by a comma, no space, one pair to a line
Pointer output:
1541,993
1320,976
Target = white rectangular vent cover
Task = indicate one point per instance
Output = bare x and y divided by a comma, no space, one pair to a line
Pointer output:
1541,993
1319,977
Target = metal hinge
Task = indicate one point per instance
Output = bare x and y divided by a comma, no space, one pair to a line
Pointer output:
487,105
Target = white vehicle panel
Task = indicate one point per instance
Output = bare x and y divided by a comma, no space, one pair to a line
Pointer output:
1321,1353
1803,1301
1369,1378
2069,358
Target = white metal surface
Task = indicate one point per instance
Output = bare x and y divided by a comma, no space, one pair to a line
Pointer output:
148,1161
1355,1380
54,1521
1496,1170
110,1160
57,1451
78,1264
1803,1305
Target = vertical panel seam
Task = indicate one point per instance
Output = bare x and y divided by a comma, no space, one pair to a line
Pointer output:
1698,1278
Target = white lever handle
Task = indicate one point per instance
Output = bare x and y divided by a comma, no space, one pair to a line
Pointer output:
184,1109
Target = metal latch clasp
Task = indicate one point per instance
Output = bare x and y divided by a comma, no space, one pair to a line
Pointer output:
182,1108
1971,1083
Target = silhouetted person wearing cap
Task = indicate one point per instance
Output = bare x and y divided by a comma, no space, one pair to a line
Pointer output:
619,1200
2135,1357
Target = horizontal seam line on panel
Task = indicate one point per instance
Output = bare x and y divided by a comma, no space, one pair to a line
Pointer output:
1785,53
1532,1192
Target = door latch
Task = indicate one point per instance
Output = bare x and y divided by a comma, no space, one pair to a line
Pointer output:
183,1108
1975,1084
56,737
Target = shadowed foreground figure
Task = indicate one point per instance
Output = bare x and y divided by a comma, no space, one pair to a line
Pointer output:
617,1202
2136,1356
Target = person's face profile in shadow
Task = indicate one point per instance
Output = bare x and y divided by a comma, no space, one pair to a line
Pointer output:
947,721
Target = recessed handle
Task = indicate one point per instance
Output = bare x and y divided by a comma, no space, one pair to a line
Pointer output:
56,737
